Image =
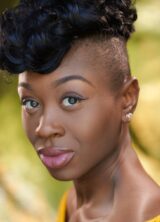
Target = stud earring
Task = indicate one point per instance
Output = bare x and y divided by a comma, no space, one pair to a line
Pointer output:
129,117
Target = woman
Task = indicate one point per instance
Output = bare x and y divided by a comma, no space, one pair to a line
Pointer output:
78,97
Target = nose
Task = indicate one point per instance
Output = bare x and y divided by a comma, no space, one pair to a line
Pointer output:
49,126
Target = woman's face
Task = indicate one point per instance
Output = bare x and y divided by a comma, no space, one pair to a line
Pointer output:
71,116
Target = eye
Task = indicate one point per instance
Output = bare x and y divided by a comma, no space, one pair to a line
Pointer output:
30,104
70,101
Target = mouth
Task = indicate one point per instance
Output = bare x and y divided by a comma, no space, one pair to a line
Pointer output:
55,158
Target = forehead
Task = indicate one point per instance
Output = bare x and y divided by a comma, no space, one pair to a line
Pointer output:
86,54
85,58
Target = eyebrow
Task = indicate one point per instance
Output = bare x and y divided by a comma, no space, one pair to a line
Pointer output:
70,78
25,85
58,82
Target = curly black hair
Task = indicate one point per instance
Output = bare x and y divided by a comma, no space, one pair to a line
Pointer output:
36,34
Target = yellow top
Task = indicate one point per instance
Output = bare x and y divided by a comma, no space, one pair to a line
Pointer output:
61,217
156,219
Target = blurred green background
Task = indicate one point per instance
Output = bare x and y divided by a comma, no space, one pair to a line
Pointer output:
27,191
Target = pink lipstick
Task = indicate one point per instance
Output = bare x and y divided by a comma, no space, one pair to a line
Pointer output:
55,158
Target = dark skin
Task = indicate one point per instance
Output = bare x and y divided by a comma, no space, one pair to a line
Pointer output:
83,114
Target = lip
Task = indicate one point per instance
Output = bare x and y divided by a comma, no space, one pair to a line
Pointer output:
55,158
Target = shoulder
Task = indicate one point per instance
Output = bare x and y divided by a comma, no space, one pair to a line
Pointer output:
152,206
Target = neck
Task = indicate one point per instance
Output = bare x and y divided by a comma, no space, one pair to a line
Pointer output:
99,186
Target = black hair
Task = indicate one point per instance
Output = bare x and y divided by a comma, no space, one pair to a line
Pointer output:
37,34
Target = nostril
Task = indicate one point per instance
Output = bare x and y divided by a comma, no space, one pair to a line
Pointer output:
49,125
49,130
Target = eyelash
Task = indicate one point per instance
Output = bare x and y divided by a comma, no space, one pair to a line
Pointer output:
78,99
24,102
74,97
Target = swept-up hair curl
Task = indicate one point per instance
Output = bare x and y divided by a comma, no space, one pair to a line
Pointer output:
36,35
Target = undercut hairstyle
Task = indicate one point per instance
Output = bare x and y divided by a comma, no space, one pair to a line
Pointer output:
37,34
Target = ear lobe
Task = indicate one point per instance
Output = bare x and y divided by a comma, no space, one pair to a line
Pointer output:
130,97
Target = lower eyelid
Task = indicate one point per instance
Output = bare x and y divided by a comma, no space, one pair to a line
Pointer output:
24,102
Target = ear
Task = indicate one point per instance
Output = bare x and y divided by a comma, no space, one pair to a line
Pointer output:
130,98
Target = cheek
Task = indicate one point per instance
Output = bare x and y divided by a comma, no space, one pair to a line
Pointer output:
29,126
97,129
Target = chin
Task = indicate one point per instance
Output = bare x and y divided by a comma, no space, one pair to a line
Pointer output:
63,175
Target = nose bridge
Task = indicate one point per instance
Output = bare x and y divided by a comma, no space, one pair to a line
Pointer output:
50,123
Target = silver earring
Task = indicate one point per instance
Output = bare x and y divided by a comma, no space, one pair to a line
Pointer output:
129,117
